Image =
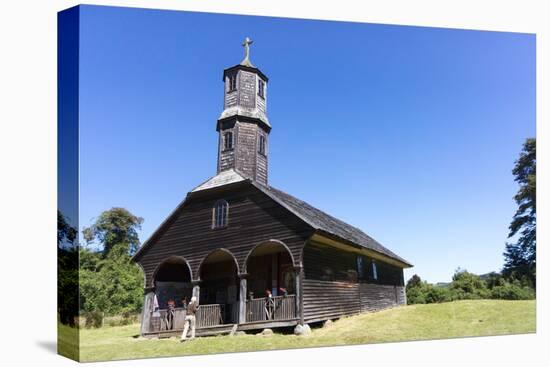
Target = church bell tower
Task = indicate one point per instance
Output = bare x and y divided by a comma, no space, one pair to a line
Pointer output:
243,126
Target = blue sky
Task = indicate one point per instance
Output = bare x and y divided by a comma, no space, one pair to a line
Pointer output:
409,133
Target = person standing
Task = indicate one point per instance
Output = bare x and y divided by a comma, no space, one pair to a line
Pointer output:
170,314
190,319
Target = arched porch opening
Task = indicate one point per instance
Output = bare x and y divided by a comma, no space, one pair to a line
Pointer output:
270,268
164,305
271,283
172,282
219,290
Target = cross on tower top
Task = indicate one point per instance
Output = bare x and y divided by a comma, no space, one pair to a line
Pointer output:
246,44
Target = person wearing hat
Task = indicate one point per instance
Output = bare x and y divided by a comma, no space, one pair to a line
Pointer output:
190,319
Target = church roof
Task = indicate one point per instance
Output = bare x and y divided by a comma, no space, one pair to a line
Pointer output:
247,112
324,222
316,218
223,178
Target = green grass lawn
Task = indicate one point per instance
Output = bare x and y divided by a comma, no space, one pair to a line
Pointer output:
416,322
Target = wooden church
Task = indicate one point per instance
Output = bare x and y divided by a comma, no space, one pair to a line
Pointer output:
254,256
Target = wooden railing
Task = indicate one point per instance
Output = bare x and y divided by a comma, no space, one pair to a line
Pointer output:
258,309
161,321
274,308
207,315
210,315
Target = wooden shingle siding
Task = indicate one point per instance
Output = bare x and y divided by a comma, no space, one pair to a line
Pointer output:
329,299
376,297
253,218
246,149
226,157
247,89
261,159
231,97
260,103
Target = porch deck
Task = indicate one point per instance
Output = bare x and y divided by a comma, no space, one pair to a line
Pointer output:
261,313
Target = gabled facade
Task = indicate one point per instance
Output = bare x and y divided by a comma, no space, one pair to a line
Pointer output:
256,256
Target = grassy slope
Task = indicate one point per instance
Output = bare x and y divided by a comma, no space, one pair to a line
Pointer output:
416,322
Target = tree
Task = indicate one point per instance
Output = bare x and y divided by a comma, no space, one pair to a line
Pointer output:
493,279
520,257
112,284
114,227
415,281
415,290
67,271
466,285
65,233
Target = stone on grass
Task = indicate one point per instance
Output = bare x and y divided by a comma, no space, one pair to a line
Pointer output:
327,323
233,330
267,332
303,330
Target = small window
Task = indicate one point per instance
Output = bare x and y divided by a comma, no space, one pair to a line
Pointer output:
219,214
374,271
261,146
228,140
232,82
261,87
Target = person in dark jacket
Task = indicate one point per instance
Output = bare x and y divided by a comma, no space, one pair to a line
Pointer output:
190,319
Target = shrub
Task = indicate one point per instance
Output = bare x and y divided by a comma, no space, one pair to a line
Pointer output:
415,295
512,291
422,292
94,319
124,319
436,294
466,285
113,285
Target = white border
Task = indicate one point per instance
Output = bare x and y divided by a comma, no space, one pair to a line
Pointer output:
28,184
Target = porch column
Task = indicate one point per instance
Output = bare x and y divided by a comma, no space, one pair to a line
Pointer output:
298,275
147,308
274,275
242,297
196,289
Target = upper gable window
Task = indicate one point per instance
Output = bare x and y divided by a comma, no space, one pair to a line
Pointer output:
232,83
261,145
228,140
261,88
219,214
